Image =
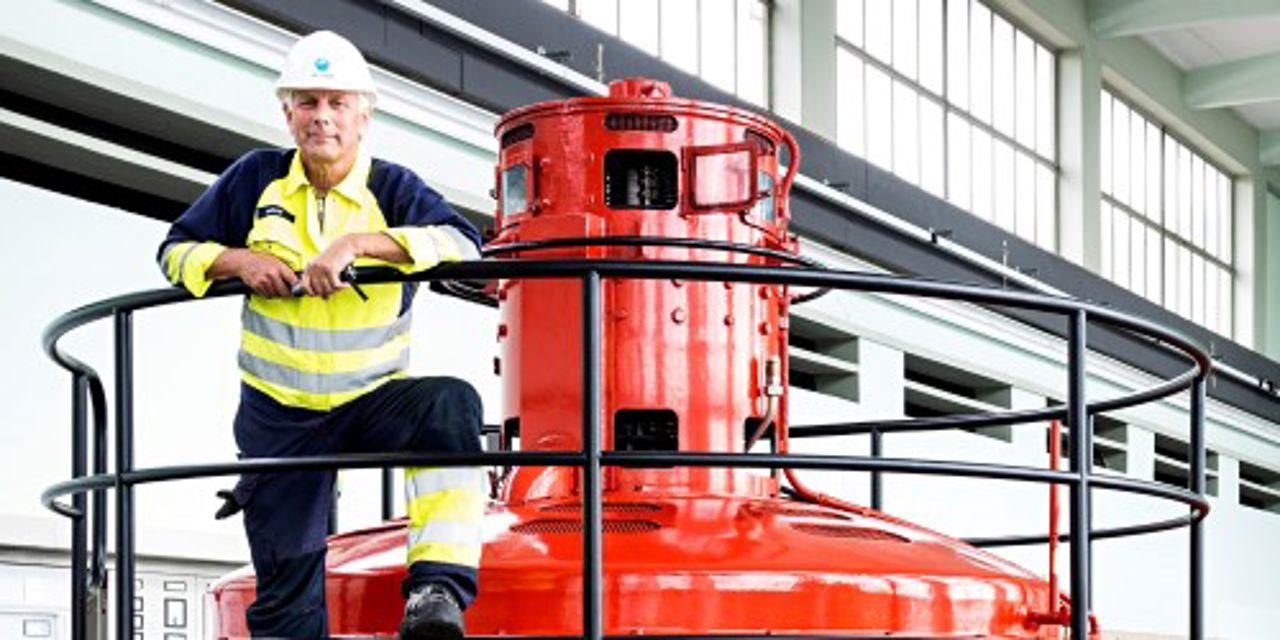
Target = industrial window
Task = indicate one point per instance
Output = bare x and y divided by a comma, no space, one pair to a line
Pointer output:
1110,443
952,97
1166,224
933,388
822,358
1173,464
725,42
1259,487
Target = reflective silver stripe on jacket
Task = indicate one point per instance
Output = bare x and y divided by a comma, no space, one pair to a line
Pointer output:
466,249
326,340
421,481
321,383
182,264
445,532
163,261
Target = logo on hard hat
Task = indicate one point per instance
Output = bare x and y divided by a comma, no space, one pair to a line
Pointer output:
322,64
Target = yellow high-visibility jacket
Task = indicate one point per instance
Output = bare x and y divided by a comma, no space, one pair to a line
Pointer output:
312,352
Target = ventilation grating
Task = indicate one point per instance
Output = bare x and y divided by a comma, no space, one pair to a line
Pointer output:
640,179
799,512
841,531
640,122
566,525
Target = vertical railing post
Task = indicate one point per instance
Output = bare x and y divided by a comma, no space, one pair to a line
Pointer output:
592,556
388,494
877,486
98,574
1197,487
124,464
79,534
1081,464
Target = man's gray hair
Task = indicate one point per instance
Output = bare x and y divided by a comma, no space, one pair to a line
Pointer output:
364,101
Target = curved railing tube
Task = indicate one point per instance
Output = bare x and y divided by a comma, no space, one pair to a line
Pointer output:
87,385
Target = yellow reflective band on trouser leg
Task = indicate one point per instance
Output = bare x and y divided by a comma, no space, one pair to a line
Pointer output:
446,509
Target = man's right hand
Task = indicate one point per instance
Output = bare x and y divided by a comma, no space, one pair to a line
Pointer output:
265,274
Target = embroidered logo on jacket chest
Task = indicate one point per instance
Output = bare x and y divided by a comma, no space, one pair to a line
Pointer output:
273,210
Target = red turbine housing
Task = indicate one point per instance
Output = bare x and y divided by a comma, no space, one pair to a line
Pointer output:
686,366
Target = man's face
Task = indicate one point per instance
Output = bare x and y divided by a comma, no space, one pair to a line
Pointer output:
326,125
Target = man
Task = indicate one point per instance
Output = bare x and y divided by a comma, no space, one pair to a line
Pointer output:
323,368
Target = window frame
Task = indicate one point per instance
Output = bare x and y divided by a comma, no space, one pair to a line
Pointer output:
940,100
1163,225
574,9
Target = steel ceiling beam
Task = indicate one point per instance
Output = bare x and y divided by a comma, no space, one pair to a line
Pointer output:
1233,83
1116,18
1269,148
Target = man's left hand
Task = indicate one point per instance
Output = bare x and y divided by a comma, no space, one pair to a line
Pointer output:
323,277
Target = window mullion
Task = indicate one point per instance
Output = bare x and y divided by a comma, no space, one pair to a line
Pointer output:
956,120
946,119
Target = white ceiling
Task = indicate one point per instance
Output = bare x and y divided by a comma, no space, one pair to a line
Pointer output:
1214,43
1263,115
1217,42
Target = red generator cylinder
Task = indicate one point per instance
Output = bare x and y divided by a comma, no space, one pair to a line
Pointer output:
686,367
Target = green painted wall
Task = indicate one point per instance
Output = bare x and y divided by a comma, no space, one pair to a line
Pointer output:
1145,77
1271,342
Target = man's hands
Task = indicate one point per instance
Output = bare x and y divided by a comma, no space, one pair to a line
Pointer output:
270,277
323,276
265,274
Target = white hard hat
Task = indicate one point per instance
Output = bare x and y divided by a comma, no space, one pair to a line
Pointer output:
325,60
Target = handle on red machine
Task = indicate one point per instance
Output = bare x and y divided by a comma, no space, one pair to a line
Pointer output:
793,167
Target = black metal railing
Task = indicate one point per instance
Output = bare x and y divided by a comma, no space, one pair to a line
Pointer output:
88,553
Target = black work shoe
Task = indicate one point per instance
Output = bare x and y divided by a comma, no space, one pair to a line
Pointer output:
432,613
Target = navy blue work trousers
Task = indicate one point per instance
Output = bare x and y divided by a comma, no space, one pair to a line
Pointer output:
286,515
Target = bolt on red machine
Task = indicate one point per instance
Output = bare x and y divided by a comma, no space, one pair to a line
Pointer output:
686,367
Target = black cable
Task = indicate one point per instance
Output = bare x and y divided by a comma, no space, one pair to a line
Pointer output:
468,290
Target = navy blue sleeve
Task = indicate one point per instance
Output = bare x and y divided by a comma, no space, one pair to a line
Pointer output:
407,201
224,212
